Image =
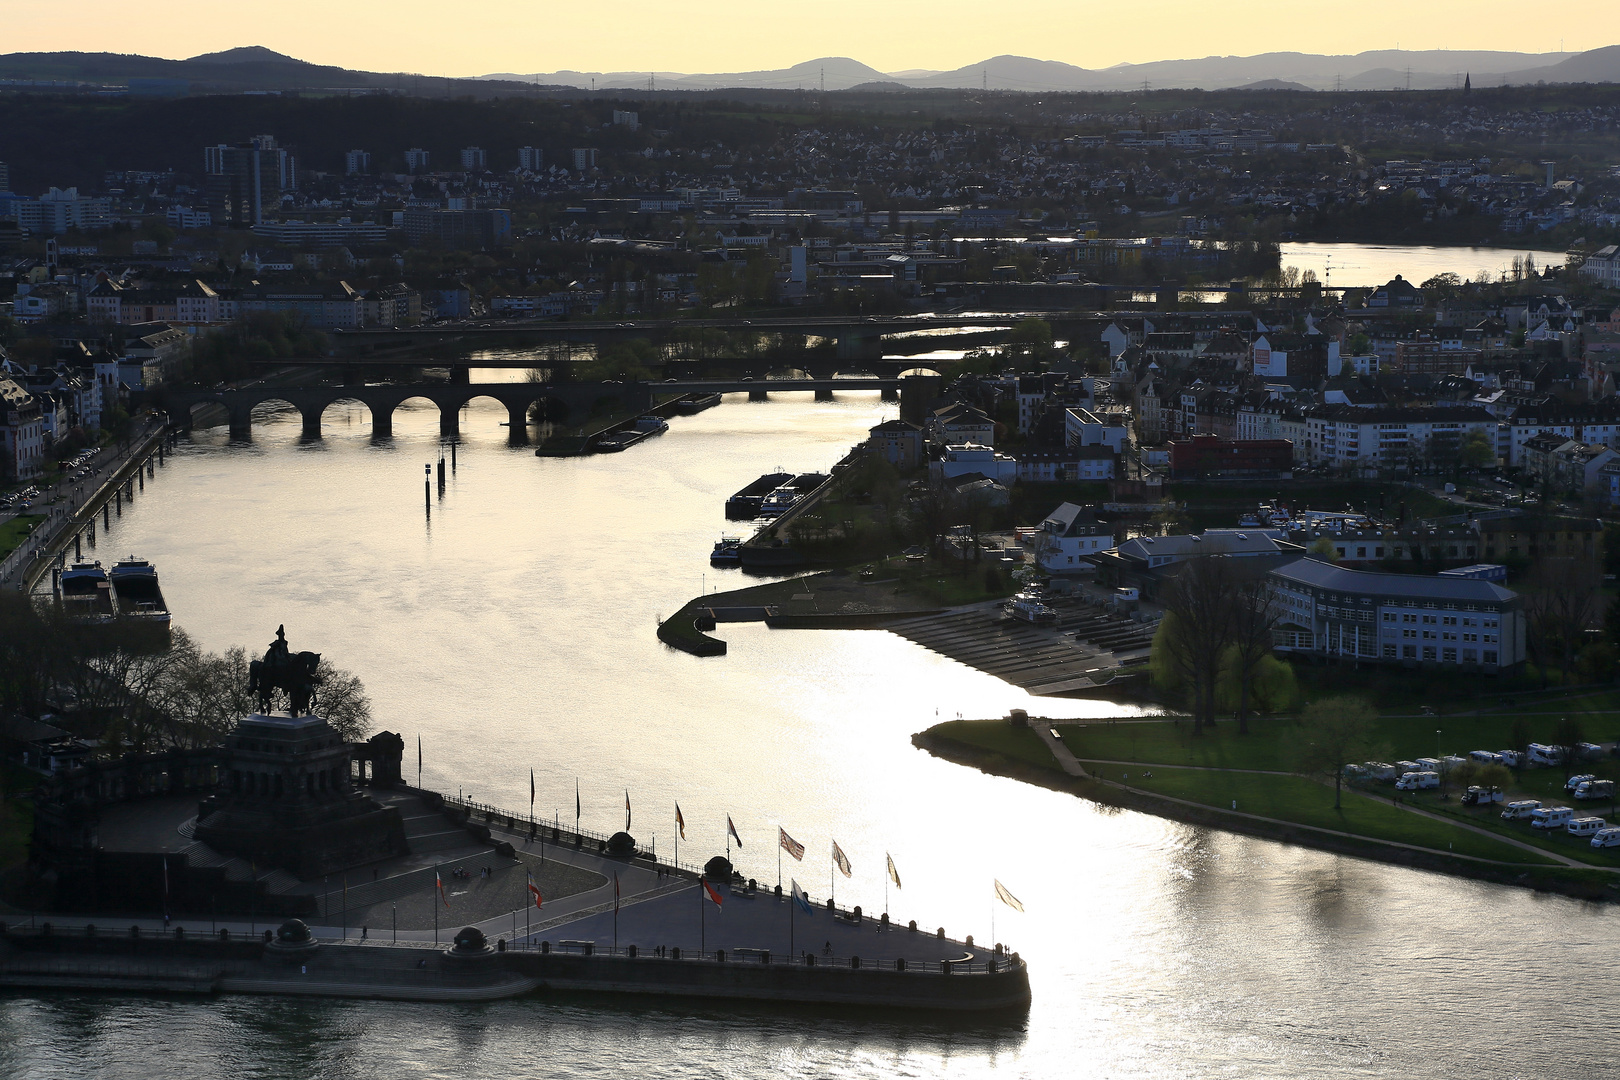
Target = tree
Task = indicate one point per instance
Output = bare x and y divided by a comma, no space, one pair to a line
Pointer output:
1560,603
1568,736
1253,620
1331,734
1199,599
1476,452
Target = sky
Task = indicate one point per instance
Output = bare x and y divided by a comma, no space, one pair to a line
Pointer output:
733,35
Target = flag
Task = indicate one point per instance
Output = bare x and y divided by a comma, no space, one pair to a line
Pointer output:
615,890
840,859
419,755
534,890
789,845
801,898
531,792
626,809
576,802
714,896
732,829
1007,898
438,883
680,822
894,874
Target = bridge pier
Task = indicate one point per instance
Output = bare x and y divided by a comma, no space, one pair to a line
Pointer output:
460,374
382,421
889,393
824,395
517,424
758,395
241,425
449,422
312,423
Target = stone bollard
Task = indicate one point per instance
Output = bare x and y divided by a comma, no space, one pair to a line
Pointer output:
912,926
941,933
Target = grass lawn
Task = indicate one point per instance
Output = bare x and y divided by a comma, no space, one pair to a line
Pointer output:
1171,743
1296,799
1573,847
15,531
1016,743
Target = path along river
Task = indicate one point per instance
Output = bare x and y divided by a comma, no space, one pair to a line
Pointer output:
515,630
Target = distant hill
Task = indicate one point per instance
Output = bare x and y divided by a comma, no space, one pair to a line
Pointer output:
1384,69
255,67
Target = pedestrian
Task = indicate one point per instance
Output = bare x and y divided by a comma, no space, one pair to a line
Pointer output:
363,933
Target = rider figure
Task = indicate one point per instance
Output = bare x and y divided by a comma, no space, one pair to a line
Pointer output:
278,655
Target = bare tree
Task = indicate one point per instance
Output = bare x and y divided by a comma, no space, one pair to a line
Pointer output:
1199,601
1560,604
1254,617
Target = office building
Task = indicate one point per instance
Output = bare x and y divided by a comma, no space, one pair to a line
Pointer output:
356,163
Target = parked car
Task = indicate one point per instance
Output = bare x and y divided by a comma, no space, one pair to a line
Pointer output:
1481,796
1417,781
1585,826
1609,837
1595,789
1551,817
1513,811
1576,781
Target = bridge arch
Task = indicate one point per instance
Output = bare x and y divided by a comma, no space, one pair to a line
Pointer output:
450,415
347,413
411,401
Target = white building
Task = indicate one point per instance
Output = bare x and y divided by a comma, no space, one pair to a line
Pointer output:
966,459
22,431
1068,534
1344,436
1407,619
1082,427
473,159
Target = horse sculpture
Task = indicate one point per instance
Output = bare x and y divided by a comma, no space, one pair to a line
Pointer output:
281,669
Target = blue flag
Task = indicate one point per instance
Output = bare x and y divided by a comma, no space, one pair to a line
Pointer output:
801,898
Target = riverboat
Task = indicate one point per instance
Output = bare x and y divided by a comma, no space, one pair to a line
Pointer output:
87,595
745,504
778,502
1027,607
136,592
727,552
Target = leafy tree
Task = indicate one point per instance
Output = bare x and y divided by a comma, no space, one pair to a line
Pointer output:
1198,603
1476,451
1331,734
1252,619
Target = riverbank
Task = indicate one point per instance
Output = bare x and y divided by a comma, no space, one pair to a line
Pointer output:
1000,749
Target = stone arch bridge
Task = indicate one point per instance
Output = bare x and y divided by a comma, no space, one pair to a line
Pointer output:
563,401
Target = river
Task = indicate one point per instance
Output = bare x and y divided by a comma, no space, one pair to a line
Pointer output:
514,629
1373,264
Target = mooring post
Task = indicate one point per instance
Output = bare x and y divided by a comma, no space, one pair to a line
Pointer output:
78,547
119,495
452,457
427,495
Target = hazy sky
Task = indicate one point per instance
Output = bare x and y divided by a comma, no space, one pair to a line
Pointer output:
727,35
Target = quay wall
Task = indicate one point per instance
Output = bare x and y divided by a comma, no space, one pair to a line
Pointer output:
58,958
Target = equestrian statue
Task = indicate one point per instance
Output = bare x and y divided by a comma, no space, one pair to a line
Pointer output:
282,669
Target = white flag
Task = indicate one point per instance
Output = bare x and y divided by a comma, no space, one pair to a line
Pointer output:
1007,898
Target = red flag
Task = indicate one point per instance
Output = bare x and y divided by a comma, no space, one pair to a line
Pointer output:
439,884
534,890
714,896
615,890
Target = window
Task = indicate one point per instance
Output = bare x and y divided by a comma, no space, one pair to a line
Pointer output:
1409,652
1470,655
1490,656
1448,620
1389,652
1449,655
1428,652
1389,616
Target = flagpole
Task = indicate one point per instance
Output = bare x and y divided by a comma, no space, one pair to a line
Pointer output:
792,903
703,921
438,887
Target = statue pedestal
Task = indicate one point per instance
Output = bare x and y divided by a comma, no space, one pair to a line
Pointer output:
286,800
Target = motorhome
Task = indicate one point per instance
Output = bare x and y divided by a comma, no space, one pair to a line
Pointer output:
1541,754
1551,817
1609,837
1481,796
1585,826
1595,789
1418,781
1521,809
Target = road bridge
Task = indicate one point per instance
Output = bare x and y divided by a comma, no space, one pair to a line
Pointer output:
559,402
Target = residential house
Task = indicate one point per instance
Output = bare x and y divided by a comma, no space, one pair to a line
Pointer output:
899,442
22,432
1067,536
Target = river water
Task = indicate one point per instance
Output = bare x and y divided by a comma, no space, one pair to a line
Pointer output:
1356,265
513,629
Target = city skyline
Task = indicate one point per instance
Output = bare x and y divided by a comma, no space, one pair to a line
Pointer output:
729,37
